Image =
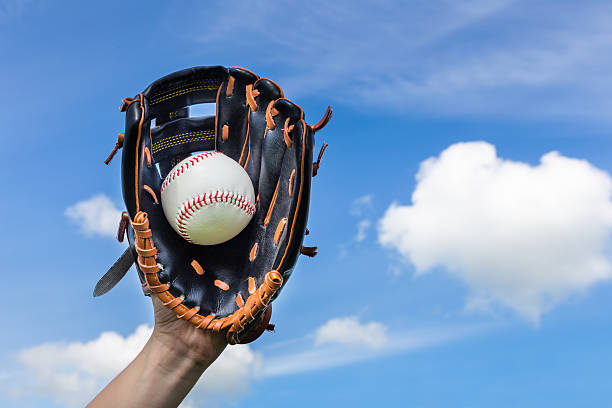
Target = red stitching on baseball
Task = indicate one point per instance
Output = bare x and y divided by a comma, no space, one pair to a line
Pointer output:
190,208
180,170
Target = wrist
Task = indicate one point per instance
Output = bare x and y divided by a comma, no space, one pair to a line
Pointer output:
173,352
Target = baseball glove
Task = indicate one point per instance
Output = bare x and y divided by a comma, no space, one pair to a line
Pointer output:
227,287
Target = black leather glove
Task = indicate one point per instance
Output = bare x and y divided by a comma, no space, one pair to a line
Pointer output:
226,287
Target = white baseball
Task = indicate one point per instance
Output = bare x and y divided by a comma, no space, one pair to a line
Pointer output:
208,198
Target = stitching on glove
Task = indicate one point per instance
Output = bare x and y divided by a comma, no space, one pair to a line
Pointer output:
190,207
182,89
182,138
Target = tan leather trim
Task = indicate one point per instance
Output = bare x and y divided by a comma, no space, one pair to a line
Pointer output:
272,204
286,130
147,154
221,285
188,314
123,223
225,132
217,114
171,304
324,120
248,156
291,180
251,94
206,321
137,161
197,267
269,114
246,140
252,287
151,193
308,251
317,164
239,300
253,252
118,145
299,200
279,230
230,86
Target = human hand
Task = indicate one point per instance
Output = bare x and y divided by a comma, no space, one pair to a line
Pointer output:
183,339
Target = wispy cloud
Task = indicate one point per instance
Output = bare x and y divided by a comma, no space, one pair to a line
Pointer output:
10,9
307,355
95,216
501,57
362,229
360,205
526,237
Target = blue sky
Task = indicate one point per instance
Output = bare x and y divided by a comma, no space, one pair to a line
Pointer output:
463,210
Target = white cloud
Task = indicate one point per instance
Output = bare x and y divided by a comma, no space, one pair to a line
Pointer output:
524,236
344,341
95,216
73,373
362,229
349,331
361,205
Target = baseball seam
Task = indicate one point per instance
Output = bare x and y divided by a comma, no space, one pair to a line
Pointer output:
192,161
190,207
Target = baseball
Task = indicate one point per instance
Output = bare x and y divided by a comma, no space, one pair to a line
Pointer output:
208,198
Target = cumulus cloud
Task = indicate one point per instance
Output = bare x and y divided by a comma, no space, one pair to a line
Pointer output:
523,236
350,331
73,373
96,216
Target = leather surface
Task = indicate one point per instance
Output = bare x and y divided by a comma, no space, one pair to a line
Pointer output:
263,152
